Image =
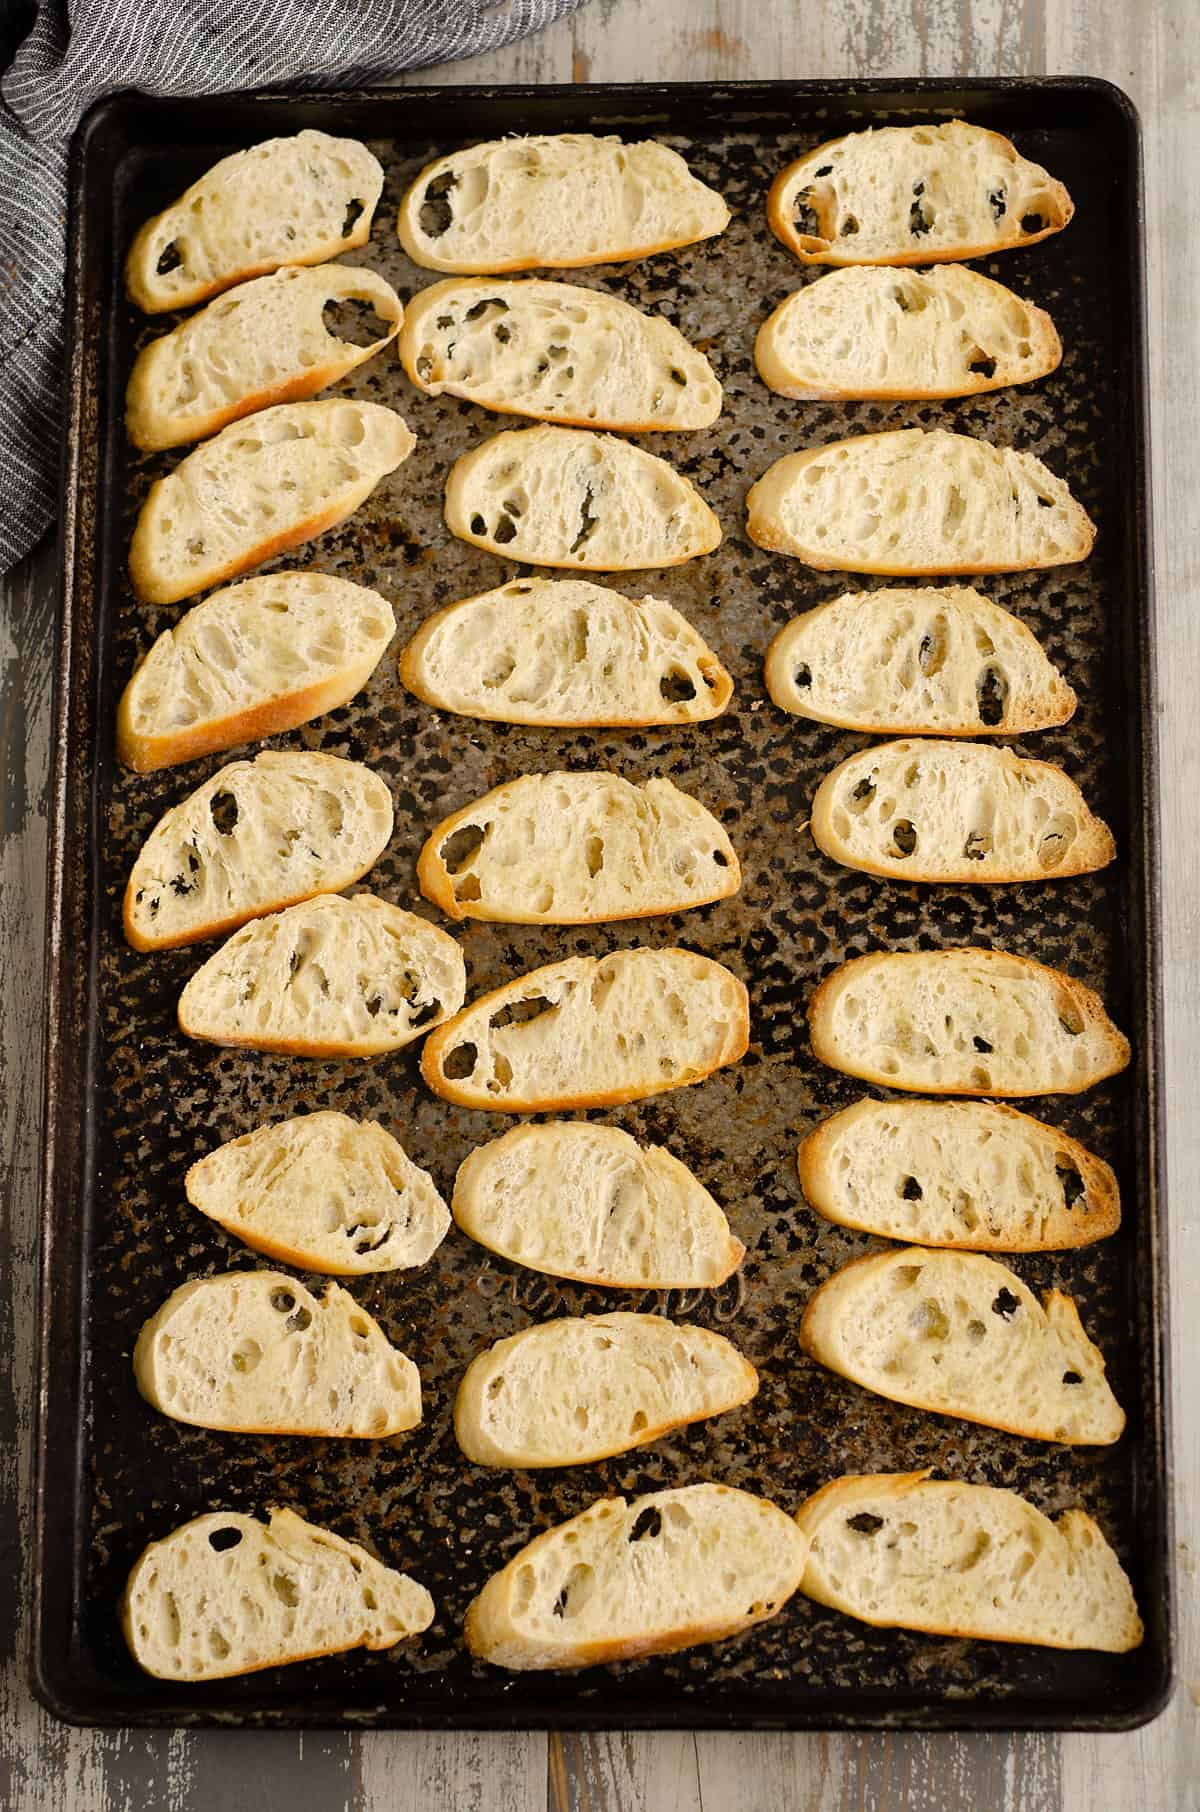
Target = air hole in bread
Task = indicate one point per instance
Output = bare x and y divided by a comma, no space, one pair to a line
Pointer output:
436,212
976,1332
223,809
904,838
982,1045
1006,1304
505,531
678,377
297,1323
848,227
285,1589
677,687
980,365
930,1320
865,1523
518,1012
991,693
579,1573
1032,222
459,1062
460,846
355,321
283,1301
803,675
805,218
977,846
647,1525
493,304
594,855
905,1276
1072,1377
169,259
1071,1021
587,521
245,1357
920,219
911,1190
478,525
221,1539
367,1238
216,1641
862,794
998,202
195,547
1072,1183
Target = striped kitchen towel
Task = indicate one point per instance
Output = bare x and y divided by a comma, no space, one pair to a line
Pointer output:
79,50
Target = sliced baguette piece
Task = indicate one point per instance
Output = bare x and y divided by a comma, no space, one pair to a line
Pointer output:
557,352
914,195
582,1388
256,837
960,1334
259,487
901,1550
253,660
254,1352
917,660
970,1174
264,342
591,1032
328,978
564,497
225,1594
590,1203
887,334
324,1193
296,200
566,199
964,1022
577,849
565,653
957,811
641,1577
916,501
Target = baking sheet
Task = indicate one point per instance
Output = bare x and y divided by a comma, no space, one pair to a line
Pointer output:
131,1103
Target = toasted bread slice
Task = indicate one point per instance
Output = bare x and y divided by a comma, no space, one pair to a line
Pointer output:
645,1577
914,501
964,1022
563,497
886,334
960,1334
591,1032
957,811
589,1202
225,1594
328,978
577,849
904,1551
569,198
295,200
916,660
914,195
565,653
256,837
266,342
251,661
324,1193
256,1353
582,1388
259,487
556,352
970,1174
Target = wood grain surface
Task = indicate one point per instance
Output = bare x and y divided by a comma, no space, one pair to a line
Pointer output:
1149,47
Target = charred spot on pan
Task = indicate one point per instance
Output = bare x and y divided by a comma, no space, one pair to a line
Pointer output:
436,213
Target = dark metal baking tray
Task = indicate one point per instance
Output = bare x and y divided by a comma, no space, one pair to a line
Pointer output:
130,1103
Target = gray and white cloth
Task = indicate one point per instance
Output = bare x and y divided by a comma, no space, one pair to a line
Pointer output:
80,50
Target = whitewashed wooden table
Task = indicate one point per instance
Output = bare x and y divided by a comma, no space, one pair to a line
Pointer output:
1149,47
